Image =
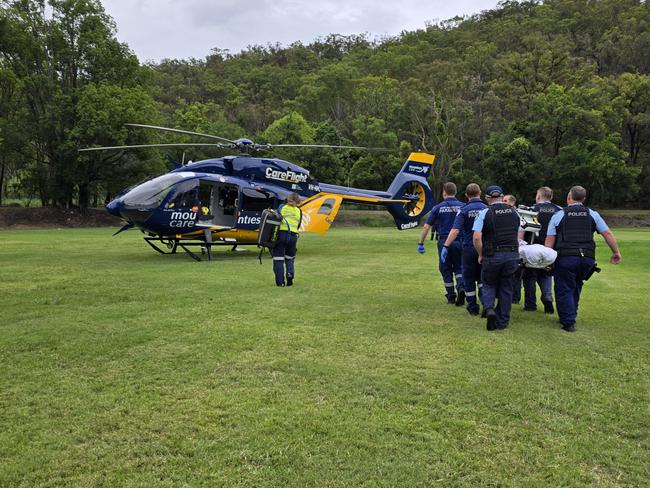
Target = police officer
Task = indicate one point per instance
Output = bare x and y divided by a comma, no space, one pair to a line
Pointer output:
284,252
442,217
471,269
571,233
495,237
516,287
533,277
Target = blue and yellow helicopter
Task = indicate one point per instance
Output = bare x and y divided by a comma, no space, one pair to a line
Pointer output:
220,201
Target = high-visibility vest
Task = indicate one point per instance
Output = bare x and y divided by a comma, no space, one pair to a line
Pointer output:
291,218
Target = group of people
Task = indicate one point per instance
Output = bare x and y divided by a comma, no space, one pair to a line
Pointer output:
479,252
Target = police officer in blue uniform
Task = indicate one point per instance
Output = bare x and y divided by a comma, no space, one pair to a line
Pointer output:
571,233
516,289
533,277
469,259
495,237
442,218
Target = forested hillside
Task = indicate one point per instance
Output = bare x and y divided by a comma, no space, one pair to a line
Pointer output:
530,93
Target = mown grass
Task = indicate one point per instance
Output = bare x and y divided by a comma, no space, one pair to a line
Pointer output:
122,367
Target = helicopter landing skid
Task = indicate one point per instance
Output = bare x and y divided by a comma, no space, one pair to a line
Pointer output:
205,246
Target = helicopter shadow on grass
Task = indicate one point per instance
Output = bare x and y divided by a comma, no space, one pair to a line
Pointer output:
218,255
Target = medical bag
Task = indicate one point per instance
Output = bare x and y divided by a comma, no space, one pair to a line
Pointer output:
269,228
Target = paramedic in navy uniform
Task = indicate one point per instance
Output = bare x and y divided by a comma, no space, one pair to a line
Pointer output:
571,233
495,237
284,252
532,277
463,226
442,217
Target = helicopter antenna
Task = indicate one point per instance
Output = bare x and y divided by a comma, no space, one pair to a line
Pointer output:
179,131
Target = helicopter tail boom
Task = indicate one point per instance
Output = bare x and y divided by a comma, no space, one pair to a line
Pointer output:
408,198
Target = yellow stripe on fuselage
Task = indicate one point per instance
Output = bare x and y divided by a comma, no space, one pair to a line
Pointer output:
241,235
420,157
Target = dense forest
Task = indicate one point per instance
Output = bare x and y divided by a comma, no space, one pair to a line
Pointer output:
529,93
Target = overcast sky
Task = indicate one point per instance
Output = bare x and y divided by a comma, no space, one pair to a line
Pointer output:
157,29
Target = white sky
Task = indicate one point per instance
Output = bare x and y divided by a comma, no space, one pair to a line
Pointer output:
158,29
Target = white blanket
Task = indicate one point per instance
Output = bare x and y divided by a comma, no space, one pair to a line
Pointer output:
536,255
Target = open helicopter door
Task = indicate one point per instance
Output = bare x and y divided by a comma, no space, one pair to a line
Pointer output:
319,211
218,204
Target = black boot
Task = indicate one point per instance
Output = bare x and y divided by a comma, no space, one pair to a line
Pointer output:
548,307
289,280
460,299
491,317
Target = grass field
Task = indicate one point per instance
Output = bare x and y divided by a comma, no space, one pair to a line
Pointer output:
122,367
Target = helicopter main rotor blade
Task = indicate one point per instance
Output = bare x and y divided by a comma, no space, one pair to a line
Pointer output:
136,146
324,145
313,145
179,131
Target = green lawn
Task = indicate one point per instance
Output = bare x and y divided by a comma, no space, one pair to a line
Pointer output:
123,367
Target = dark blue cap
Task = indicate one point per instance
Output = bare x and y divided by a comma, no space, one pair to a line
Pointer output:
494,191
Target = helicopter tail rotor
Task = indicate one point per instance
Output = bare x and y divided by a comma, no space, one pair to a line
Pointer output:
412,188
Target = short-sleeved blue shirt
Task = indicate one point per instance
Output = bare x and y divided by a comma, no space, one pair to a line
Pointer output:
601,226
442,216
465,219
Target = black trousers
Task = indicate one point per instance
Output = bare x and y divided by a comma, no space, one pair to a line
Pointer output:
498,276
284,255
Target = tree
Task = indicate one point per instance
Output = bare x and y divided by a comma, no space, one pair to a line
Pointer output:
290,129
102,111
14,145
55,57
515,163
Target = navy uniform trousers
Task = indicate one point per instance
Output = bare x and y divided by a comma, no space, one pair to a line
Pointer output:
533,277
451,267
284,254
498,275
516,290
569,274
471,278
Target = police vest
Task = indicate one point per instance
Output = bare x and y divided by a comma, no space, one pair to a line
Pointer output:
545,211
292,216
500,229
470,211
575,234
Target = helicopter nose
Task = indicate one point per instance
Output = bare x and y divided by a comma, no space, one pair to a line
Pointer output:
114,207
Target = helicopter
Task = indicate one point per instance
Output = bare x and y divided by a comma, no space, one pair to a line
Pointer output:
220,201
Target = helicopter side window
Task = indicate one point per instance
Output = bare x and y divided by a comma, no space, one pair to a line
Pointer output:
256,201
327,206
186,199
228,200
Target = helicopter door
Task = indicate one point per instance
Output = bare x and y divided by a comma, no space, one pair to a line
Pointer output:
219,203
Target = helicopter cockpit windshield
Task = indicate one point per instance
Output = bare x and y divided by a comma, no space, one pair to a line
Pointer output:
152,193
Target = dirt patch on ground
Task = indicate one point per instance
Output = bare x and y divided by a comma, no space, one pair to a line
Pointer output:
39,217
620,218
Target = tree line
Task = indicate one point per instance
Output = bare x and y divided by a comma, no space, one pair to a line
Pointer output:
527,94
